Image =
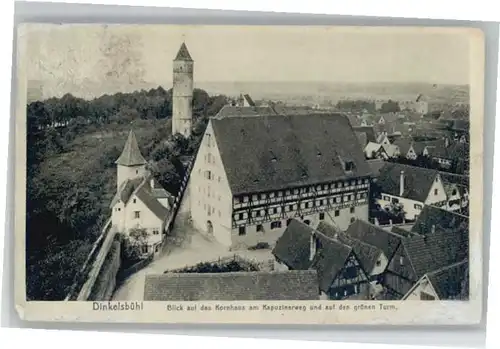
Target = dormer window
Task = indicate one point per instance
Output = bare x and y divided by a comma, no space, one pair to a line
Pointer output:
349,165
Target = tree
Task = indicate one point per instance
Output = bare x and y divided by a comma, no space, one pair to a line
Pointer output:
138,236
390,107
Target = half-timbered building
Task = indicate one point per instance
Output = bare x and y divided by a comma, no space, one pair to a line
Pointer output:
421,254
252,175
340,272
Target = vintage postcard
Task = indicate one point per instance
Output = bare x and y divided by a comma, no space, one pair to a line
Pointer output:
249,174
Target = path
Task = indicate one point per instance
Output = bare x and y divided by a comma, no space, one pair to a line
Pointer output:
197,249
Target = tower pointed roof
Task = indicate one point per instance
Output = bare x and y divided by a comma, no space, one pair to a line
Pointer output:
131,155
183,54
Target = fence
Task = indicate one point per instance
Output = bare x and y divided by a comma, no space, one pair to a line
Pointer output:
85,269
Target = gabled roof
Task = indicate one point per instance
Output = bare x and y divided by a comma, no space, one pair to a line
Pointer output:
417,180
131,155
328,230
183,54
391,149
373,147
275,152
404,145
145,194
374,235
420,146
451,281
233,286
331,256
367,254
460,180
293,247
434,251
368,131
440,219
141,189
127,188
249,100
237,111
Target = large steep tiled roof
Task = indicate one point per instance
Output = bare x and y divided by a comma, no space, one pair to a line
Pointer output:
126,190
183,54
276,152
417,180
237,111
293,247
366,232
368,131
367,254
131,155
234,286
434,251
440,219
329,260
451,282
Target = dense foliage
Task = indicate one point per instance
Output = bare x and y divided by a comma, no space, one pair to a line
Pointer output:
221,267
356,105
72,144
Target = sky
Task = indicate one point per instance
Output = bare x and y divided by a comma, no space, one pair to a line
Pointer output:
65,56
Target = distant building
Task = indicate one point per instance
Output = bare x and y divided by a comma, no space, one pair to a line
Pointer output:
182,99
410,187
375,151
139,203
252,175
298,285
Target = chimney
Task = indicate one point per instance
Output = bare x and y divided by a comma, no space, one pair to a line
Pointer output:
376,221
152,183
402,183
433,229
312,247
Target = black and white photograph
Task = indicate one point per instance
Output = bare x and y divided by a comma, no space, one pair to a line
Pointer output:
248,163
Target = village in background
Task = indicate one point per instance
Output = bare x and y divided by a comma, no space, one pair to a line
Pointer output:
232,193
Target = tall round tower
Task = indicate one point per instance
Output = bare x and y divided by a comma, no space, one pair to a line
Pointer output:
182,111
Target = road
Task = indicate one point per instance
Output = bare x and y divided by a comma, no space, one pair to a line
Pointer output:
196,249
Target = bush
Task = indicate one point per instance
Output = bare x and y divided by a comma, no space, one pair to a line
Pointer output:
260,246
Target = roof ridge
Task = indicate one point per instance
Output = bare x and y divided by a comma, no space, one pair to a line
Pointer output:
433,272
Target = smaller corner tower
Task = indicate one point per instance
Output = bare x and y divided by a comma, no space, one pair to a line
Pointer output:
131,164
182,112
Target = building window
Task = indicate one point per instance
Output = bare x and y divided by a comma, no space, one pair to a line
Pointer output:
454,192
262,196
240,216
337,213
241,231
218,178
137,214
352,210
276,225
435,191
378,263
338,199
271,195
401,260
290,207
156,232
321,216
260,228
352,219
135,200
144,248
295,191
245,199
325,186
350,272
395,201
426,297
254,197
273,210
418,207
280,194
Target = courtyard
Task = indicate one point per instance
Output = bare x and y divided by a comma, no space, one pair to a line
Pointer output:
185,248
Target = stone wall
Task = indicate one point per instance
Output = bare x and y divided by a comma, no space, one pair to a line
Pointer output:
106,281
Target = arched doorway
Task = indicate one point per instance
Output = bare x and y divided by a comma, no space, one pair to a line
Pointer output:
210,228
